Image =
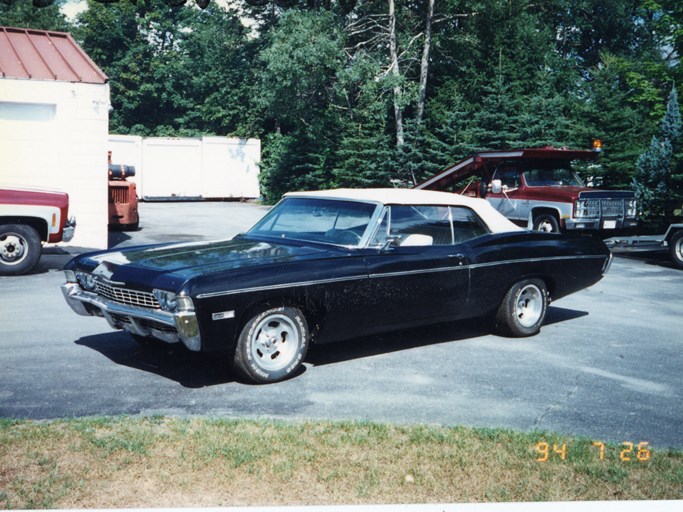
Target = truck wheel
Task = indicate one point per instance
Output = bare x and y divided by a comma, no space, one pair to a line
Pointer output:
676,249
547,223
523,309
19,249
272,345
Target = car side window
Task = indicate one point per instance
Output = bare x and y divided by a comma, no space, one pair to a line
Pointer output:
416,225
466,224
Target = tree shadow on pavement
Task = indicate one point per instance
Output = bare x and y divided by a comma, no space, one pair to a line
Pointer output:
171,361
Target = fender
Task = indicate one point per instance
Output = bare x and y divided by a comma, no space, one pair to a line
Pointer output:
564,210
51,215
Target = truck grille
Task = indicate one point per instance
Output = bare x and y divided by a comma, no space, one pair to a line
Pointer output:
118,195
602,208
127,297
612,207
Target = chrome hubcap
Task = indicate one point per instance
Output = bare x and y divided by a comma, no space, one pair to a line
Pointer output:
546,227
678,248
12,249
274,342
529,306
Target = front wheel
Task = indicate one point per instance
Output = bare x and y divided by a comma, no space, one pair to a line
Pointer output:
272,345
547,223
523,309
19,249
676,249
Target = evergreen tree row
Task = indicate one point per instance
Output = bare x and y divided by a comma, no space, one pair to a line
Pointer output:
381,93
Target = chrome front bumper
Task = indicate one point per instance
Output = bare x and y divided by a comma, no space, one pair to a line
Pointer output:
69,230
598,224
163,325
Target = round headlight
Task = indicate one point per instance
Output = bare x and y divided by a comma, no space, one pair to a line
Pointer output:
167,300
171,301
86,280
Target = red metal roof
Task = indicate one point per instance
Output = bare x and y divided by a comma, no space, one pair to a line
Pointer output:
42,55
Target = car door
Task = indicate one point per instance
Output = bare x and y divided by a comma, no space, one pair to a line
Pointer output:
416,273
508,201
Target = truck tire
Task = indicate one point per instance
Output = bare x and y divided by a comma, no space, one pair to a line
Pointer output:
676,249
547,223
19,249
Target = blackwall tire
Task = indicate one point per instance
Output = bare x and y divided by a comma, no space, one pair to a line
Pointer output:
272,345
19,249
546,223
523,309
676,249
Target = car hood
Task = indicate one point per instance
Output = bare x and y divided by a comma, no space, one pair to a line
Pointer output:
185,260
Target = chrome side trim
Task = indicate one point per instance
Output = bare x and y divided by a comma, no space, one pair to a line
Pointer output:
280,286
422,271
389,274
535,260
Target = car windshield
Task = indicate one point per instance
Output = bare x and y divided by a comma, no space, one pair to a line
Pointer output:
552,177
328,221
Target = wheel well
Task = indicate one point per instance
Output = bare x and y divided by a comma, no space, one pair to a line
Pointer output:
544,210
672,233
549,282
36,223
313,311
541,210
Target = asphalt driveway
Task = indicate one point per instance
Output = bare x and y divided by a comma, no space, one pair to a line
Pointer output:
606,365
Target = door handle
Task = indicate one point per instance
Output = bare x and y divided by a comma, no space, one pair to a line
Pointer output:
459,257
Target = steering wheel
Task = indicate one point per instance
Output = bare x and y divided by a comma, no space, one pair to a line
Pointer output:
344,236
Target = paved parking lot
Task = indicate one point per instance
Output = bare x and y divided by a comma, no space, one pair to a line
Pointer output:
606,365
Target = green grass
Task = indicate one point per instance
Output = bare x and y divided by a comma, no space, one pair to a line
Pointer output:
126,462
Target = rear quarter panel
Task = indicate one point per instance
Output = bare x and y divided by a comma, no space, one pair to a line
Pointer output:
565,264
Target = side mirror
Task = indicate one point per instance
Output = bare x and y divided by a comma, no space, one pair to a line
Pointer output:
496,186
389,245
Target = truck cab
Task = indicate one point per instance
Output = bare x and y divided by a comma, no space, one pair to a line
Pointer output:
538,189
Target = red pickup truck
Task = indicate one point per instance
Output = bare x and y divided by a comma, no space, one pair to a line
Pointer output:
29,218
538,189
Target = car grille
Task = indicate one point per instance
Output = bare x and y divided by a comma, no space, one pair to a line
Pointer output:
127,297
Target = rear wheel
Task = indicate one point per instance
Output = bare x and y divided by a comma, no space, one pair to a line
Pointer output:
547,223
676,249
272,345
19,249
523,309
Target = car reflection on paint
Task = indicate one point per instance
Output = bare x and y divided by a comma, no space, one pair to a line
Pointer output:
333,265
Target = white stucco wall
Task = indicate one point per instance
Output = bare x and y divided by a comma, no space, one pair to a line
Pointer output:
54,135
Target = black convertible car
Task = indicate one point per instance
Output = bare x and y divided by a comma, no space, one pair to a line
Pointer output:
331,265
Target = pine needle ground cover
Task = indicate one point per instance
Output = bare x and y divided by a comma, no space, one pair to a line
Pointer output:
163,462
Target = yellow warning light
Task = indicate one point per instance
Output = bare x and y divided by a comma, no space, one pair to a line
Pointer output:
597,145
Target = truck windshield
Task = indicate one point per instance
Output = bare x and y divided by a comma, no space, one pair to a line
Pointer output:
552,177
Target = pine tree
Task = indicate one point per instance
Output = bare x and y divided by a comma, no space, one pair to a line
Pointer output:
652,182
